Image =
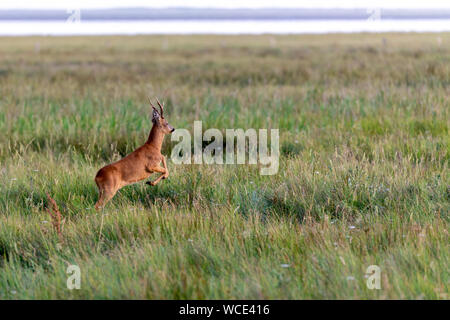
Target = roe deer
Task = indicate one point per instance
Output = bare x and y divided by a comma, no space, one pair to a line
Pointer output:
139,164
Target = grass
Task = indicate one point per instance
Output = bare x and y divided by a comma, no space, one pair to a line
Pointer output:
363,179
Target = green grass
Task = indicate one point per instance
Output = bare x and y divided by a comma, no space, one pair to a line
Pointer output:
363,180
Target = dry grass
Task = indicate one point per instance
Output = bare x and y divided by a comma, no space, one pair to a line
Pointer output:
55,215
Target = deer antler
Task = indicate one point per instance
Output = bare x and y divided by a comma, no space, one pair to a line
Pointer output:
161,106
152,104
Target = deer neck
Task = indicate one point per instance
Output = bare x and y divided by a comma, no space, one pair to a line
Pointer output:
156,137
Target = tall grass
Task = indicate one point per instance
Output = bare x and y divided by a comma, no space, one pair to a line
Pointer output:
363,176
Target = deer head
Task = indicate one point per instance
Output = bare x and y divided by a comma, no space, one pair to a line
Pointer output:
158,118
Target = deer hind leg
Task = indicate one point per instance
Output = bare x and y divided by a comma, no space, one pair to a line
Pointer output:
106,191
104,197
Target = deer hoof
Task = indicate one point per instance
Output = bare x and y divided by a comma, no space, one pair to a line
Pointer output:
151,183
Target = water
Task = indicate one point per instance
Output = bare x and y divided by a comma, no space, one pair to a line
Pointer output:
21,28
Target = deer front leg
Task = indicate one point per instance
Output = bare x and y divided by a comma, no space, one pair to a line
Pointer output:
166,174
156,169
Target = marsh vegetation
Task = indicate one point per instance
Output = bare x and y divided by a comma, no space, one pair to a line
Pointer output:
363,176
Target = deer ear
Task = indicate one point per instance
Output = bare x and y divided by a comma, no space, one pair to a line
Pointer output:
156,115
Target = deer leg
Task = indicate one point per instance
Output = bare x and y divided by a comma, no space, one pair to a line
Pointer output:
166,174
154,183
156,169
106,191
105,196
100,200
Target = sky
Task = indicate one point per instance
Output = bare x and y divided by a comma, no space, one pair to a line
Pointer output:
69,4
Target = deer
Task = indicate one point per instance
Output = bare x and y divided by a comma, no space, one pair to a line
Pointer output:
139,164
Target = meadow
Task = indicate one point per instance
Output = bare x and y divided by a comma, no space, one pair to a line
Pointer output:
363,177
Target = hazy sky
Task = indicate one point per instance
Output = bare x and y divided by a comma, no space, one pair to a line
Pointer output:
68,4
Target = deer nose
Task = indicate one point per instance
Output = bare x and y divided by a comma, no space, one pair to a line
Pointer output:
173,129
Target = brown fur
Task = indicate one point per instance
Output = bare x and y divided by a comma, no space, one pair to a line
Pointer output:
138,165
